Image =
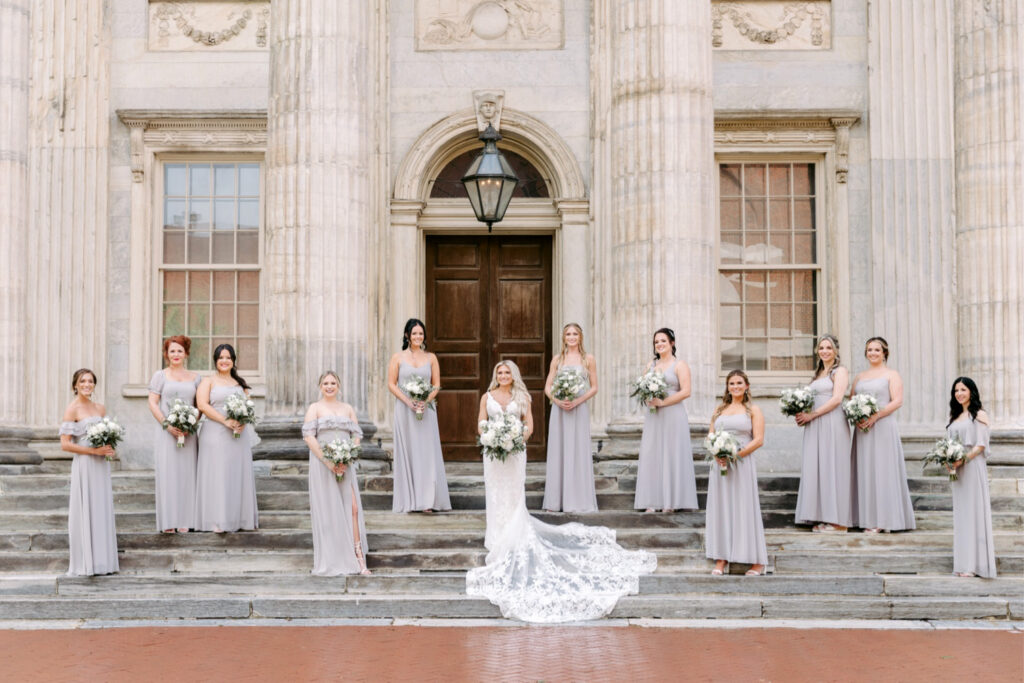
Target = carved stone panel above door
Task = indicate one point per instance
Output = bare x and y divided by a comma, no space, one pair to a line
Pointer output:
191,25
771,25
489,25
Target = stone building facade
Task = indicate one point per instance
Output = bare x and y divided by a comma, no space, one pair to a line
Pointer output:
279,175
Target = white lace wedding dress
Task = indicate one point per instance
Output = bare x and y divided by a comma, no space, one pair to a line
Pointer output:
542,573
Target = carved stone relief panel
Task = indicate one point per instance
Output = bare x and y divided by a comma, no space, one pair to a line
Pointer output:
771,25
489,25
203,25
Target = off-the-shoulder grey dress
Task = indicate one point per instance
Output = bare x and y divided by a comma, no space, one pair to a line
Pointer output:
883,497
225,485
92,537
420,482
665,477
735,529
330,502
974,548
828,491
569,473
175,468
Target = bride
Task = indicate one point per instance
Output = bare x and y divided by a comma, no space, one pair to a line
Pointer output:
535,571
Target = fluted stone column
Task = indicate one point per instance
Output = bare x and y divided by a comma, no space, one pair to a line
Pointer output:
318,201
66,239
910,87
989,120
14,71
661,235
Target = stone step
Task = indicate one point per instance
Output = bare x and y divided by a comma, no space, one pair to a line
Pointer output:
446,606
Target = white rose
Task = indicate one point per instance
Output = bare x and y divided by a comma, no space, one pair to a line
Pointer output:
507,444
487,439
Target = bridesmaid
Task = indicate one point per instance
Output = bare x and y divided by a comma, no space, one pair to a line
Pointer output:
827,494
420,483
175,467
665,477
569,484
225,485
974,551
735,530
883,497
92,537
339,531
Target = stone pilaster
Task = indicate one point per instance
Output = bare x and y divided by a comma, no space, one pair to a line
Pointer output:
989,133
318,201
14,71
910,87
66,244
658,171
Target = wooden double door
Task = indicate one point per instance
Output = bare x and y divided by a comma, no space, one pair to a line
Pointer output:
488,299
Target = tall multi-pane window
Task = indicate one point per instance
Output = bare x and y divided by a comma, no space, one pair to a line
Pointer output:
769,270
211,258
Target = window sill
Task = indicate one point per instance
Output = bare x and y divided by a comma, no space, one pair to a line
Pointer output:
259,390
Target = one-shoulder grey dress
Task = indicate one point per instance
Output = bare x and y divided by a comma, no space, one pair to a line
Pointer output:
175,468
974,548
828,491
883,497
330,502
735,529
665,477
92,536
569,473
225,484
419,478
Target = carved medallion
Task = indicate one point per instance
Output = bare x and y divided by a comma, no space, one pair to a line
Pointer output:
489,25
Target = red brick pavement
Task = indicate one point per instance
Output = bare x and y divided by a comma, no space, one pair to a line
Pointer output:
377,653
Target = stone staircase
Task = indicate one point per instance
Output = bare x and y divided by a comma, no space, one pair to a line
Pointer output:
419,561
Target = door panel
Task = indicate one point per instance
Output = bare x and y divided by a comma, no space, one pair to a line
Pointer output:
488,298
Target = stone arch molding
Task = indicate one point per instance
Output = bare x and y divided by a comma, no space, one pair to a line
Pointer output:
449,135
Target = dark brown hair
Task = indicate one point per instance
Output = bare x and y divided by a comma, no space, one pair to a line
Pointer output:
78,375
880,340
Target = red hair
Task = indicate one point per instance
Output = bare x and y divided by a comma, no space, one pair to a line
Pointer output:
181,339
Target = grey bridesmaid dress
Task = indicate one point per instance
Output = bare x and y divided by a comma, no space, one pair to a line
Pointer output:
974,547
92,536
665,478
175,468
225,485
330,502
420,482
883,497
569,474
735,529
828,490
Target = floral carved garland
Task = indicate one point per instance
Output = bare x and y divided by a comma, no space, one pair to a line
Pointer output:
165,14
793,17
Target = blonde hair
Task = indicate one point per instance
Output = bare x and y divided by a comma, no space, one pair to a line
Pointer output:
520,394
727,397
329,373
565,349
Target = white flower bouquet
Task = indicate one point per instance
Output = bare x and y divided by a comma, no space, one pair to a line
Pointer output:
647,386
568,384
860,407
418,389
184,417
722,445
240,409
106,432
340,452
501,436
946,453
796,401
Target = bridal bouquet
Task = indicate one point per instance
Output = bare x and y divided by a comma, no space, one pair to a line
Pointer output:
418,389
501,436
946,452
796,401
722,445
241,409
340,453
860,407
568,384
106,432
648,386
184,417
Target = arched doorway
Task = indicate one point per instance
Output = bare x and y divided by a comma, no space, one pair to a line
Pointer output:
485,297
